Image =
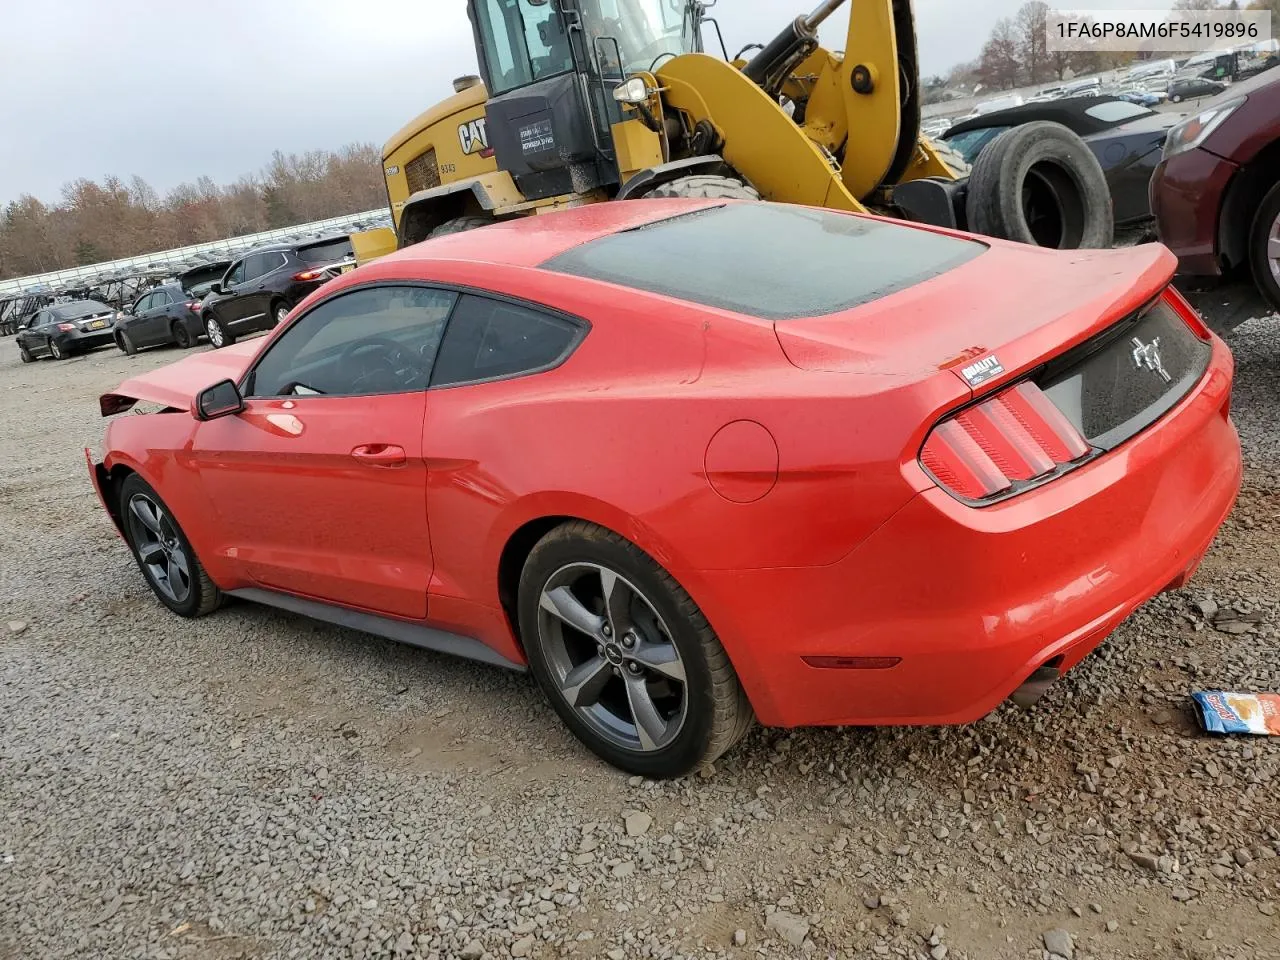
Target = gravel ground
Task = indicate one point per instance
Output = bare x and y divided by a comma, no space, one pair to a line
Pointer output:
258,785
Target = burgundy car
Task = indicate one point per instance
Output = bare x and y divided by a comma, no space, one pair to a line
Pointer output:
1216,192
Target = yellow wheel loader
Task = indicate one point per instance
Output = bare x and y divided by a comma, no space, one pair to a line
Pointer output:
584,101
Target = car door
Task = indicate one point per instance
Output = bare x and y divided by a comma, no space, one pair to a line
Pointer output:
35,337
228,306
158,317
136,327
266,273
319,484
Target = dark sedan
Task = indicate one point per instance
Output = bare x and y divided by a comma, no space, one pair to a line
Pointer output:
1125,137
64,329
164,314
260,289
1188,88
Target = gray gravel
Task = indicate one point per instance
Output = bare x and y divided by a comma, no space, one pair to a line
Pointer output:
257,785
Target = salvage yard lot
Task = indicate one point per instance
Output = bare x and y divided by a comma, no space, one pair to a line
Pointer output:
254,784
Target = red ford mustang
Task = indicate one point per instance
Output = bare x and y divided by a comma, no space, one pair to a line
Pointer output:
693,463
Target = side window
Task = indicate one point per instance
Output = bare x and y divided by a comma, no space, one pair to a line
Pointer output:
160,298
255,266
370,341
488,339
235,274
143,304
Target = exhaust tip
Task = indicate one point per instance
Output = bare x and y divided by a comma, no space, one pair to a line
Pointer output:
1034,687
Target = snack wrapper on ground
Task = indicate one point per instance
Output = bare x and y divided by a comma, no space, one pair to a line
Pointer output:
1221,712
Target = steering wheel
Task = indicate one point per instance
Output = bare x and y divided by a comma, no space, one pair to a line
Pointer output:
379,363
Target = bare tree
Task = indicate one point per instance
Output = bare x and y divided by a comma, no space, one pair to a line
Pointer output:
1032,25
999,66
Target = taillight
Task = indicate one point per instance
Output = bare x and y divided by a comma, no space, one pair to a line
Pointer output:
306,275
67,326
1013,438
193,306
1187,312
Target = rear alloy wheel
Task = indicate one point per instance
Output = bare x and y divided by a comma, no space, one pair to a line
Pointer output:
56,351
1264,246
219,336
625,656
163,553
182,336
278,313
704,187
125,344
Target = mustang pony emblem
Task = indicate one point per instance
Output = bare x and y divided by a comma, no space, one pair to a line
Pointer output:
1148,355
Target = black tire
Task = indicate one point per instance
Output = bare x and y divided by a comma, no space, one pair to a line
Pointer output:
125,343
219,336
24,354
704,187
1039,183
1265,263
279,310
202,595
55,351
182,336
716,713
460,225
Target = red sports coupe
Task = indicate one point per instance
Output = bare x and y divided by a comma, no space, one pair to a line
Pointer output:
692,463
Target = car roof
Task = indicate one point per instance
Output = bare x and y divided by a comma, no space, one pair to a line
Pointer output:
1069,111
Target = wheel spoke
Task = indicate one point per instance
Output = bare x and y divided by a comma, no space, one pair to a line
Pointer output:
174,575
617,602
650,726
584,683
1273,248
561,603
661,658
178,561
146,513
150,553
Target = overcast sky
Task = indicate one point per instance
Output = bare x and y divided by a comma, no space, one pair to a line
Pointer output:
172,90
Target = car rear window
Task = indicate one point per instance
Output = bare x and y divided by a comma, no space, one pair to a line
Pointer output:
329,252
772,261
80,308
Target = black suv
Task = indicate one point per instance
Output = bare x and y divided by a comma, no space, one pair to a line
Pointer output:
64,329
260,288
164,314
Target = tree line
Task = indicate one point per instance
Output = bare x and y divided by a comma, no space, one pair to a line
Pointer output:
1016,51
93,222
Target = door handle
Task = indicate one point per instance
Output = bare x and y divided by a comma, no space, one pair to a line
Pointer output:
380,455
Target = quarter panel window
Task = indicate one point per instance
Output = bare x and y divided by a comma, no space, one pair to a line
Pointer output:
369,341
490,339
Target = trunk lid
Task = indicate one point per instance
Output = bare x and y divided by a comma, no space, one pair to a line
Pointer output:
177,384
1090,327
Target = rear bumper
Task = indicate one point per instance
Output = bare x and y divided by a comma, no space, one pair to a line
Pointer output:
80,342
1186,198
972,601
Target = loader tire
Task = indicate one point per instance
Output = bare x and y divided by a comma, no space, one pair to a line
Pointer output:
1039,183
705,187
460,225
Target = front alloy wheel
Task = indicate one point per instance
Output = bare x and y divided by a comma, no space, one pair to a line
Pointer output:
218,335
163,552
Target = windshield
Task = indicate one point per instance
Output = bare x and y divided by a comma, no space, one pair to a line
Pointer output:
970,143
646,30
80,308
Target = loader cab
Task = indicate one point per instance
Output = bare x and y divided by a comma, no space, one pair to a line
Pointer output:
550,67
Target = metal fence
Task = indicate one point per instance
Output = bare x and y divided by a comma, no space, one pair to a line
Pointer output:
228,247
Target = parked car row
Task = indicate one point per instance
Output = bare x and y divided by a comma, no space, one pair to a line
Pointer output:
220,301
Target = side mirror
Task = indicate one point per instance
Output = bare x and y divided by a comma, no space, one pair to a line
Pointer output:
215,287
220,400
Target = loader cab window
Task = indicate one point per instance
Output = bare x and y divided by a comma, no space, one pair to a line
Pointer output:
523,41
647,31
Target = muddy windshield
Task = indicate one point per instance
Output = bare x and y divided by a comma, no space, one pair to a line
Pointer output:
646,30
